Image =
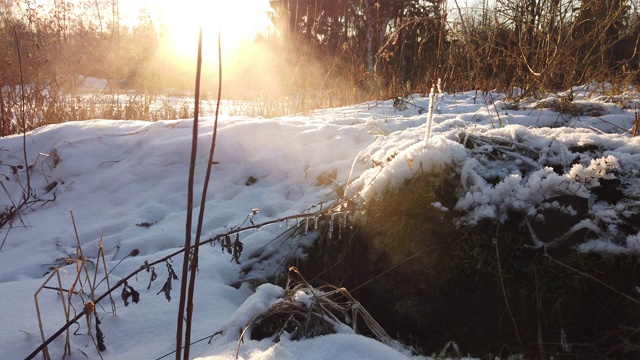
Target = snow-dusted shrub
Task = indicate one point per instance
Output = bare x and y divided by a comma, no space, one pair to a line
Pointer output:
564,187
471,237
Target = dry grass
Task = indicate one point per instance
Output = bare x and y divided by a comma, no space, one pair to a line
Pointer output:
305,312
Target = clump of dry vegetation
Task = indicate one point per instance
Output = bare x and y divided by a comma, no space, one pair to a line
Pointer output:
304,311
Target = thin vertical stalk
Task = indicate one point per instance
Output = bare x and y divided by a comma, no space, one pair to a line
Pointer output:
466,42
506,298
432,104
27,193
4,123
203,200
187,240
45,349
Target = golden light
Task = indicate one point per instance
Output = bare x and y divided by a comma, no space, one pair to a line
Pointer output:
239,22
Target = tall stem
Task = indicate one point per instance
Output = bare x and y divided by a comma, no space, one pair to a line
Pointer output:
187,239
27,193
203,200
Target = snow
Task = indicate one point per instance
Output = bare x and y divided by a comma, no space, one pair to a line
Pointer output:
92,83
125,183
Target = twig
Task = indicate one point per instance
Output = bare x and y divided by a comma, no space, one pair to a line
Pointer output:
26,194
421,109
106,272
538,311
636,301
56,288
187,239
504,293
391,268
466,42
67,344
203,201
45,350
195,342
146,265
83,262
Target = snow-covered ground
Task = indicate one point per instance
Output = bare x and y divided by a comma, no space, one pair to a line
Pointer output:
125,184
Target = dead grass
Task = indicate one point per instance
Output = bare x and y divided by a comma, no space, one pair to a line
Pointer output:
305,312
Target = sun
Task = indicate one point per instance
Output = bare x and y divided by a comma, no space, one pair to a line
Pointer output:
239,21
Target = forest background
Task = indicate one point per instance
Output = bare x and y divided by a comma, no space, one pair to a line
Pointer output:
314,54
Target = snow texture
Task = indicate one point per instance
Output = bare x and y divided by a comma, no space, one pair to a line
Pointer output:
125,182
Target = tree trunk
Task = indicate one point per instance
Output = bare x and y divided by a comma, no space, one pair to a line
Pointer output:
3,117
368,19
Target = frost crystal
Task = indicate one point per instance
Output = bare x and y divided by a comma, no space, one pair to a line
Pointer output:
601,168
438,205
633,243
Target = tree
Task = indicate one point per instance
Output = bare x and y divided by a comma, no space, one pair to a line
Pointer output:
394,41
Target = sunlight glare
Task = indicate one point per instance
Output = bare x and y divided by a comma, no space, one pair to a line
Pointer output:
238,21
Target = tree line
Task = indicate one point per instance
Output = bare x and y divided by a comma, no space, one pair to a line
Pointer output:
546,45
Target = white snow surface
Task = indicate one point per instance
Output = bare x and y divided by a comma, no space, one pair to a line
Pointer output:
125,183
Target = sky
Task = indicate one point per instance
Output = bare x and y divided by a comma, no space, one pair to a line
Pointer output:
239,21
119,189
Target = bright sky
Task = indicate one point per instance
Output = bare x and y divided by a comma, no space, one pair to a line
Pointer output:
237,20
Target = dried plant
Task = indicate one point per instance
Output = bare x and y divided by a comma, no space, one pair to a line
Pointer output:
305,312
